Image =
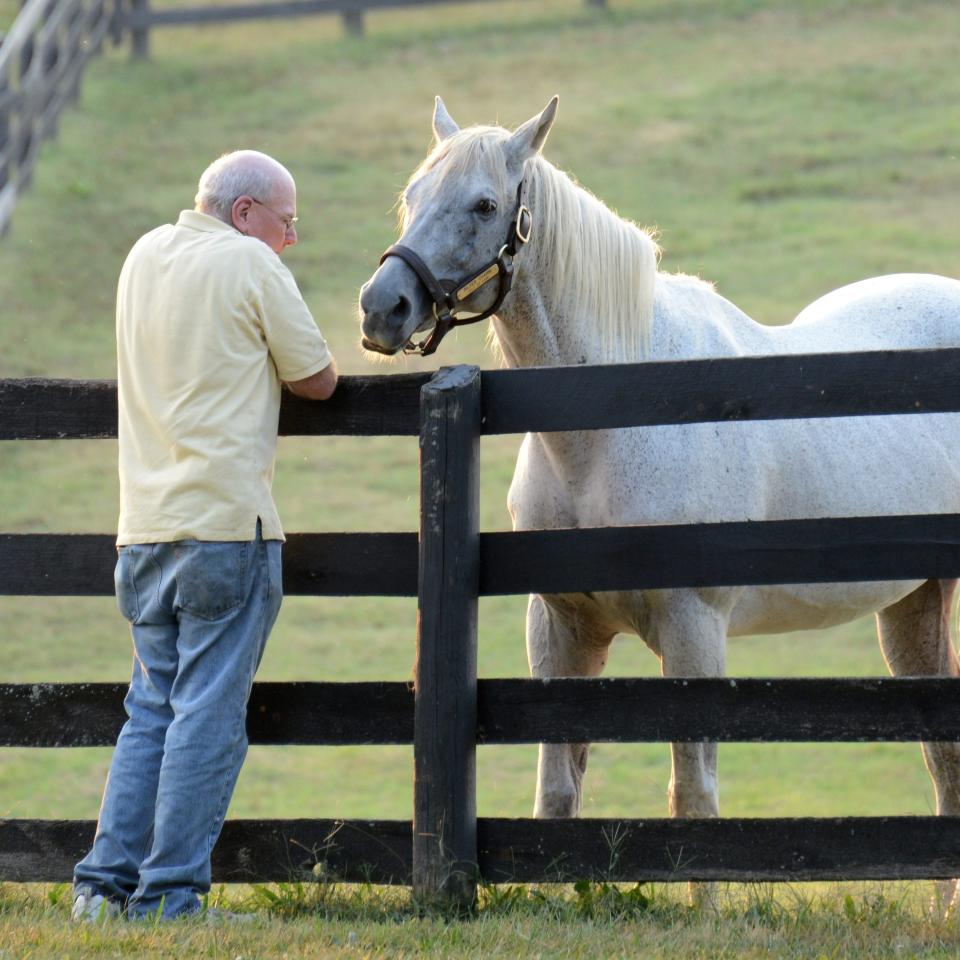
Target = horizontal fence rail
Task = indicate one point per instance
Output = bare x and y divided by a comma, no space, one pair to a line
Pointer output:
248,851
559,398
829,550
34,409
727,710
143,16
565,710
832,550
280,713
745,850
538,851
314,564
792,386
140,18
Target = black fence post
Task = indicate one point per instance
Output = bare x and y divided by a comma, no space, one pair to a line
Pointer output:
445,725
140,32
353,21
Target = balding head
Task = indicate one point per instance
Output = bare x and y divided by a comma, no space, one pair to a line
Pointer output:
242,172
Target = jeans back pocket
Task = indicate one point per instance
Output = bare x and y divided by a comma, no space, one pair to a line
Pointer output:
124,584
211,576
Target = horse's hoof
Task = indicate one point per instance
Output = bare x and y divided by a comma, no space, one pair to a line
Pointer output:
945,902
703,897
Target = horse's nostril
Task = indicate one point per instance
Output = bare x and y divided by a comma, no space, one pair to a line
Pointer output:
401,310
366,298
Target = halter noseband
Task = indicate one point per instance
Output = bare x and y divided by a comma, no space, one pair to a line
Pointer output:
448,295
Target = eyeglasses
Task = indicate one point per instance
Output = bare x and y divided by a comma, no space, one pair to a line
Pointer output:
288,222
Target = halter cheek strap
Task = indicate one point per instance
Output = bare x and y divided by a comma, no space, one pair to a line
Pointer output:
449,295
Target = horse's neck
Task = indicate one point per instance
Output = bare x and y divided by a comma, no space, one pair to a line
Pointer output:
690,320
536,328
582,271
607,302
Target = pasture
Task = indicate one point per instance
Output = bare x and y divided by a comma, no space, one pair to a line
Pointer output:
781,149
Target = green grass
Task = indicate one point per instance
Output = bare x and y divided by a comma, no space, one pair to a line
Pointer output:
579,923
574,923
780,148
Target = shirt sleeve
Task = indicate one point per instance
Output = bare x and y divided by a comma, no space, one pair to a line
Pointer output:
293,339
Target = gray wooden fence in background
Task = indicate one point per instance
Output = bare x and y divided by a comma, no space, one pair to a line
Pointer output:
42,59
140,17
44,54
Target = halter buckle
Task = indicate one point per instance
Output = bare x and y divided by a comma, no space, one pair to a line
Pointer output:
524,216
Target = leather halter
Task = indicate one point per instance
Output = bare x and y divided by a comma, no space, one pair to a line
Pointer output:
448,295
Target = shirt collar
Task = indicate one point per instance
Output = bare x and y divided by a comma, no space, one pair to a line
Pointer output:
203,221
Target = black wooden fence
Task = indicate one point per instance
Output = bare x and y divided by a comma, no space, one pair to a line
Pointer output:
446,849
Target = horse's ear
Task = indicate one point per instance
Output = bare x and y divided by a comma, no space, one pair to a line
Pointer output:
443,124
529,138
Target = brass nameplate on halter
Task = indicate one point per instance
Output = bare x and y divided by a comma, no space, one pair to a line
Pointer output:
477,282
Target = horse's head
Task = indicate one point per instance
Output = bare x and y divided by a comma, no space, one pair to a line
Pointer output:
463,219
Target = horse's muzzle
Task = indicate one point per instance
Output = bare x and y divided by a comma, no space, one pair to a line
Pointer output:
377,348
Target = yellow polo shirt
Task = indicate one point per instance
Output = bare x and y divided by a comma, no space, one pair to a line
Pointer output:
209,322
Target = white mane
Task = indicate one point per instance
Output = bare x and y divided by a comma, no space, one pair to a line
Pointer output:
598,268
601,267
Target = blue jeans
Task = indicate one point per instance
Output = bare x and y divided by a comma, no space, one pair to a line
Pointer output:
200,614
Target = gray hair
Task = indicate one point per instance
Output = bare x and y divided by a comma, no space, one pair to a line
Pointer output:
235,174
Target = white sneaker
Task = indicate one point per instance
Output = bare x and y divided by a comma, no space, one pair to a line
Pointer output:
93,908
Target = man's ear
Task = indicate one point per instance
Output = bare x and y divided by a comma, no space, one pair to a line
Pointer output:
240,212
443,124
529,138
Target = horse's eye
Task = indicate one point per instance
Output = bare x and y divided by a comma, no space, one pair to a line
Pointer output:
486,206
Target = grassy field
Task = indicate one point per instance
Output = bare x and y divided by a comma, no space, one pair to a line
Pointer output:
562,924
780,148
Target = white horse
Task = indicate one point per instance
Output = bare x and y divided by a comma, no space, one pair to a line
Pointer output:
587,290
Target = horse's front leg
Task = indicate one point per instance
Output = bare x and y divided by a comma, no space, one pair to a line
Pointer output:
562,643
691,636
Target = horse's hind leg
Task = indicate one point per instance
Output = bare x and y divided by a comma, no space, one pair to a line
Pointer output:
562,643
915,639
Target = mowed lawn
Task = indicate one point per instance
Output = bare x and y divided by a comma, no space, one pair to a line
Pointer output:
781,149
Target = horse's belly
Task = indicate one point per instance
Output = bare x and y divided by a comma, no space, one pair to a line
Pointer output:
813,606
